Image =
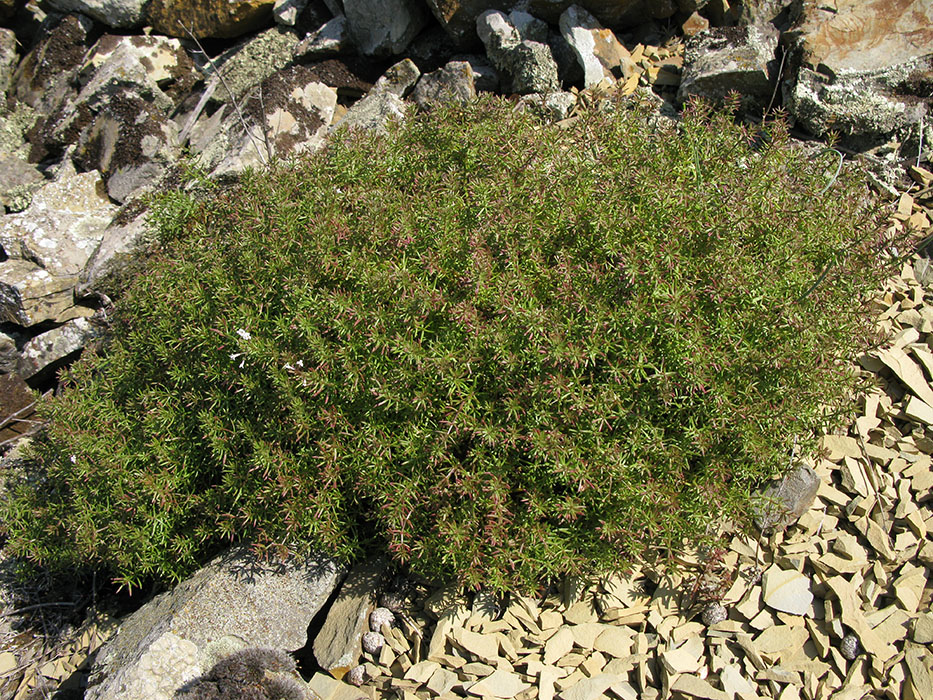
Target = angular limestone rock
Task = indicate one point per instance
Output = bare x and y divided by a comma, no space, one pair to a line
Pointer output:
384,27
786,590
597,49
337,646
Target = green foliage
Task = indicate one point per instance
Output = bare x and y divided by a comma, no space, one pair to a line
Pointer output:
502,349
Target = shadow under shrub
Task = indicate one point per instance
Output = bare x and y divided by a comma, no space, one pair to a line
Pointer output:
504,349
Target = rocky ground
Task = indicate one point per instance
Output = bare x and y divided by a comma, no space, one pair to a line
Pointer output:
98,112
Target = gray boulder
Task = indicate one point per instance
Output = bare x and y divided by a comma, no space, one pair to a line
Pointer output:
30,295
786,499
485,76
236,600
865,84
553,106
119,14
458,17
121,243
132,143
253,60
116,69
56,345
739,59
529,64
384,27
598,51
452,83
331,39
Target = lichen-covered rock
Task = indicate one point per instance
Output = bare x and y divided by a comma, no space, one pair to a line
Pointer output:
740,59
253,60
18,181
8,59
121,242
166,643
864,68
529,64
56,345
119,14
384,101
117,69
30,295
44,76
62,226
286,114
452,83
215,19
553,106
384,27
131,143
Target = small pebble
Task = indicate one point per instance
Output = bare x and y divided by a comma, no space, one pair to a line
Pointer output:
849,647
380,617
714,613
373,642
356,675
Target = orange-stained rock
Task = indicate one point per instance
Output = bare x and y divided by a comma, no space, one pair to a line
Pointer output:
216,19
864,68
866,35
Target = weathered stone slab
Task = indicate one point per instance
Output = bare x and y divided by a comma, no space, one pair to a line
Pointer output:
337,646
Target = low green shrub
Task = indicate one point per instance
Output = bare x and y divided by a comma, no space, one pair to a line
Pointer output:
503,349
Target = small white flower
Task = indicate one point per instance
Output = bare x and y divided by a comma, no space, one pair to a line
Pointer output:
300,363
243,333
235,355
287,366
74,459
